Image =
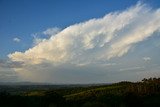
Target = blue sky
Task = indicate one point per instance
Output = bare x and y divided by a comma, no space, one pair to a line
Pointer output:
21,18
26,26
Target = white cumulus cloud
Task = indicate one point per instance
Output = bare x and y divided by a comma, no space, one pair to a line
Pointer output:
146,58
104,38
51,31
95,40
16,39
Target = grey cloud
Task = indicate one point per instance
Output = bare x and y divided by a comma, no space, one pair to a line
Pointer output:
4,63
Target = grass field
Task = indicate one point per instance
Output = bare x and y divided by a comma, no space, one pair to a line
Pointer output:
123,94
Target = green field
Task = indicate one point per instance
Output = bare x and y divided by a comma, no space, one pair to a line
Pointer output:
123,94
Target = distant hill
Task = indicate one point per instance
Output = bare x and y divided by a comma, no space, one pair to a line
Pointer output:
23,83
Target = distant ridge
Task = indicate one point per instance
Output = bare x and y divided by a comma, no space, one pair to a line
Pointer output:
24,83
56,84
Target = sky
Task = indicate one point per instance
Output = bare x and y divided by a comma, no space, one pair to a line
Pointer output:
85,41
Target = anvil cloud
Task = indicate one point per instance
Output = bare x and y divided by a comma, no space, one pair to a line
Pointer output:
93,42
